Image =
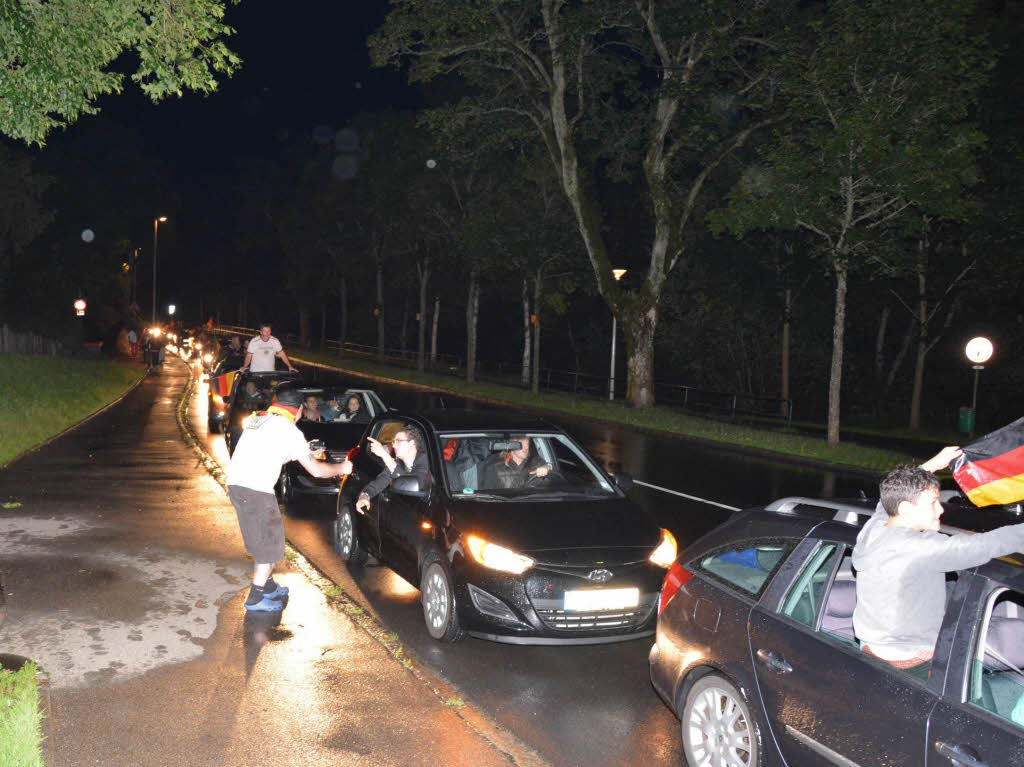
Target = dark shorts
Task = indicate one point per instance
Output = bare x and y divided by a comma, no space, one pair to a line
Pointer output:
259,519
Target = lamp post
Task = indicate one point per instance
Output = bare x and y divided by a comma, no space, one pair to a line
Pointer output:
156,226
979,351
617,274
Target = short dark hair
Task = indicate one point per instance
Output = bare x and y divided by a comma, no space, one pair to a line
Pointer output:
263,325
413,432
905,483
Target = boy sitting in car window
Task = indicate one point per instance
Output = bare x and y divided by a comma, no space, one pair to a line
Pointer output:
902,559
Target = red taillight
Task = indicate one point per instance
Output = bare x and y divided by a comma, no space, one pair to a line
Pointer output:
352,453
677,576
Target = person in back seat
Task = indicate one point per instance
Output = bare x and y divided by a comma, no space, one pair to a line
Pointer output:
902,559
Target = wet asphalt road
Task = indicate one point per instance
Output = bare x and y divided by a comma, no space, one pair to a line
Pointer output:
576,705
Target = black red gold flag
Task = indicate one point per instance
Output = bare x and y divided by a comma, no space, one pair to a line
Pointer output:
991,470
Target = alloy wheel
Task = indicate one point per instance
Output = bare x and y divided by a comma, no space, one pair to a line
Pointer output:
717,728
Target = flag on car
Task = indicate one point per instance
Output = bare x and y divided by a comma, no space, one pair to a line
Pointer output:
222,384
991,470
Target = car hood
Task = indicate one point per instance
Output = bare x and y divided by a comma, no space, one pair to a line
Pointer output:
550,529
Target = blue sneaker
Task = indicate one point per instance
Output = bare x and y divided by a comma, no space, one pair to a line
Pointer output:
279,593
265,605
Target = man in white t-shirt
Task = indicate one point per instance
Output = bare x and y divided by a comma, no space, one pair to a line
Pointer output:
261,351
269,440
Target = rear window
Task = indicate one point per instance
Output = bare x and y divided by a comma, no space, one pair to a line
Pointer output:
748,566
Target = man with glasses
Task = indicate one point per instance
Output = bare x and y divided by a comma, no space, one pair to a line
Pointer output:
410,459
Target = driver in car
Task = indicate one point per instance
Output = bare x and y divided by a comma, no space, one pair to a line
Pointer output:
410,459
514,468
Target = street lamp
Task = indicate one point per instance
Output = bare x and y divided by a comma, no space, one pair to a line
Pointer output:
170,309
156,225
617,274
979,351
80,307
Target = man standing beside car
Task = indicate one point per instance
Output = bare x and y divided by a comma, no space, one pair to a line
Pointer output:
262,350
268,441
410,459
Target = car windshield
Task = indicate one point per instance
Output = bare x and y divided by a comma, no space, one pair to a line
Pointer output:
519,466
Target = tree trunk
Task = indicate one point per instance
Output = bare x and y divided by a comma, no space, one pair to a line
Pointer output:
638,327
433,333
922,341
323,326
343,296
379,311
836,372
537,282
405,326
421,348
304,331
524,377
472,312
787,314
883,328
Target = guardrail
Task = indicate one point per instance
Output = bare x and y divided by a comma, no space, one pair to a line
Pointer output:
690,398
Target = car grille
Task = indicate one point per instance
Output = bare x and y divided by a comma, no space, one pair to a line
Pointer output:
557,618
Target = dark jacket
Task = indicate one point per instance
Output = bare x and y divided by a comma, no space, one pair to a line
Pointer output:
501,472
420,469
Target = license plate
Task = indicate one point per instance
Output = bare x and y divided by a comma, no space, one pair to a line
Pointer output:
602,599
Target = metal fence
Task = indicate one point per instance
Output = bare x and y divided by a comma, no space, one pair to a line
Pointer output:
735,405
18,342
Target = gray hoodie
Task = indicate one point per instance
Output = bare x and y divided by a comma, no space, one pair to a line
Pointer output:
901,590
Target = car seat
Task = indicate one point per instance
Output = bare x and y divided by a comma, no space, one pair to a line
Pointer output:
838,616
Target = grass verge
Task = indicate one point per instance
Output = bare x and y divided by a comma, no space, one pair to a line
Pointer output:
662,419
43,396
21,719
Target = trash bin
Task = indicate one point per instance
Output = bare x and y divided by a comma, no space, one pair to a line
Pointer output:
965,420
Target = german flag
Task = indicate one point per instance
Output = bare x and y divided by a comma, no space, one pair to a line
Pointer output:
991,470
221,386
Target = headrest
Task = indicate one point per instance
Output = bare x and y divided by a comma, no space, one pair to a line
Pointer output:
1006,637
842,599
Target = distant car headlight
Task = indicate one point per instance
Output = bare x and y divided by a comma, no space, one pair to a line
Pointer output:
497,557
207,358
199,346
665,554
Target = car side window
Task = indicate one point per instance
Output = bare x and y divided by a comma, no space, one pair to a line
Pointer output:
807,593
748,566
997,670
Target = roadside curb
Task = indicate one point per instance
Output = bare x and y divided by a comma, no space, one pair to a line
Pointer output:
499,738
726,446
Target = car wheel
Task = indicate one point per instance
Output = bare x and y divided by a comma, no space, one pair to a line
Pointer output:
346,538
438,596
718,728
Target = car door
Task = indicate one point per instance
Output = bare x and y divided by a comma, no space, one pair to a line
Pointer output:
827,702
980,719
401,531
366,466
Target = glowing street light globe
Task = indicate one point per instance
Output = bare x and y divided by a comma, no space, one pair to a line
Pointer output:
80,307
979,350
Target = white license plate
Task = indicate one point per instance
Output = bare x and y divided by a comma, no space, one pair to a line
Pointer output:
602,599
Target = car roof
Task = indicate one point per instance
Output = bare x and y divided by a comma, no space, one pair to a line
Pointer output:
464,419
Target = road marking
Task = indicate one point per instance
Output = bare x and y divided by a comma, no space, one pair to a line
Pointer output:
684,495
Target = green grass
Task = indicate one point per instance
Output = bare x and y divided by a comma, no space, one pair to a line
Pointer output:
664,419
43,396
21,720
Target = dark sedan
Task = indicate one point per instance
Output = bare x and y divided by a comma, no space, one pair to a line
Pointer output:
548,551
756,653
333,424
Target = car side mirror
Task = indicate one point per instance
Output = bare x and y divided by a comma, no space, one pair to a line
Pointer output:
624,482
408,485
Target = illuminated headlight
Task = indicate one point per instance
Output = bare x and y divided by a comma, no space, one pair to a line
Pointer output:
665,554
497,557
199,346
207,358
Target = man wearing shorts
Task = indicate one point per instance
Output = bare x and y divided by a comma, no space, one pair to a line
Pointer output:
269,440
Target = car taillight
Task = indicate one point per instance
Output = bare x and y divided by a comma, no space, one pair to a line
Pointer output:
677,576
352,453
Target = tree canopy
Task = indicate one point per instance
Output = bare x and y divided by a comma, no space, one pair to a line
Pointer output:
58,57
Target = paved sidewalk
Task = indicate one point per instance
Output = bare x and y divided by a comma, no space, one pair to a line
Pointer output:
125,576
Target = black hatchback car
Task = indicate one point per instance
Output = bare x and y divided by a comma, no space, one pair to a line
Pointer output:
756,653
561,558
251,391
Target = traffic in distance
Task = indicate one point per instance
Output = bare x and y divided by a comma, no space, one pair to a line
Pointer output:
754,620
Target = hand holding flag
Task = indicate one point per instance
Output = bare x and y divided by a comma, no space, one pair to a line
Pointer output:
991,470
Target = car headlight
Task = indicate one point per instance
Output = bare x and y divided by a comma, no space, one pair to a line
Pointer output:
665,554
497,557
207,358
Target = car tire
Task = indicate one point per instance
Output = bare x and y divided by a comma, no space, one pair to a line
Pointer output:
718,726
346,537
438,597
284,487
